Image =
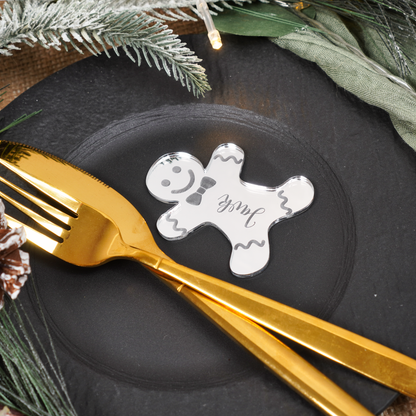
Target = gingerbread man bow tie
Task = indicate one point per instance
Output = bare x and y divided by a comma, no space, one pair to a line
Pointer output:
196,197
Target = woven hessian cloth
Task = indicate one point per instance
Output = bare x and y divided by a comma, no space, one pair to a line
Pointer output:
29,66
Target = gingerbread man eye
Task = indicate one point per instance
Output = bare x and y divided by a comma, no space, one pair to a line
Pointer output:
176,169
165,182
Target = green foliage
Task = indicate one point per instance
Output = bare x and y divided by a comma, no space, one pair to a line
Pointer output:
20,119
139,24
30,379
260,19
94,23
393,20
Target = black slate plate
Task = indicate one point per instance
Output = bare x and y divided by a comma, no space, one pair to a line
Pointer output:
129,345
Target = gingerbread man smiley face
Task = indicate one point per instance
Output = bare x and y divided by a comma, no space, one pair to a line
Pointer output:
174,176
218,197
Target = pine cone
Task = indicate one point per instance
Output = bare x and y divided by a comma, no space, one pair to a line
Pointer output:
14,263
5,411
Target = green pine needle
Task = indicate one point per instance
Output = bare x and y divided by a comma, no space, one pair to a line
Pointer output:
3,92
273,18
19,120
30,379
95,24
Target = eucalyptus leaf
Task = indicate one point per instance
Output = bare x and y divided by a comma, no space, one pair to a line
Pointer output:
260,19
338,54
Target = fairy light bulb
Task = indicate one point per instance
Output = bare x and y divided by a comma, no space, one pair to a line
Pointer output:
213,34
300,5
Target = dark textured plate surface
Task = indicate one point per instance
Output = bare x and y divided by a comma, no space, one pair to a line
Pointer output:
128,344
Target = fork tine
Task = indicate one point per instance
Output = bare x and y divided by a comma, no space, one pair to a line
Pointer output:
56,194
35,237
58,214
53,228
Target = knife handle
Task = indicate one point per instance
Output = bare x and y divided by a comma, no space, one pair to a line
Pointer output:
290,367
367,357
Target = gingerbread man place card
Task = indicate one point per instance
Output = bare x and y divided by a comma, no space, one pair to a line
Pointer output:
217,196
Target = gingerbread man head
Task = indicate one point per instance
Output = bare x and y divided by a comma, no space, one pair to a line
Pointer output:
174,177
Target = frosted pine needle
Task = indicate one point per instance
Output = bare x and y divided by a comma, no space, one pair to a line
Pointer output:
97,25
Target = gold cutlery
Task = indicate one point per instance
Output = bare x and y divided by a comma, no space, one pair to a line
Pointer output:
104,226
281,360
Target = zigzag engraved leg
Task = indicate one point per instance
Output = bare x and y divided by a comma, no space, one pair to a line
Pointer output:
249,258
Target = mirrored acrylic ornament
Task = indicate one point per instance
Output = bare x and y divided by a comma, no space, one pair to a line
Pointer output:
217,196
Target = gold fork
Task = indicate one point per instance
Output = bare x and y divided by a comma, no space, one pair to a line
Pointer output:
102,216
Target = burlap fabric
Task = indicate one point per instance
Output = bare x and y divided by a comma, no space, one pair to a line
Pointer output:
31,65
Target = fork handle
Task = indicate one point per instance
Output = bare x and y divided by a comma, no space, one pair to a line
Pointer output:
280,359
367,357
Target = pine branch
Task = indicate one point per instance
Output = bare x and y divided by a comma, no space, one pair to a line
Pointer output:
96,24
172,10
27,383
393,20
150,5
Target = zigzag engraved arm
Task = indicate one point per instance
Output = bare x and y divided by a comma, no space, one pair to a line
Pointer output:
170,227
174,222
177,223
